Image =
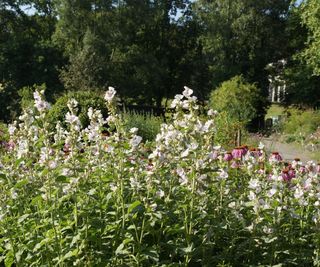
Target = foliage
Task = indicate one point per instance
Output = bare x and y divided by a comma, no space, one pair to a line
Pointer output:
27,55
237,98
242,37
107,201
226,130
310,10
138,46
26,95
300,124
148,125
148,49
85,101
302,86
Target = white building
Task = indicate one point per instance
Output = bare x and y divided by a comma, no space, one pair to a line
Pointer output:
277,86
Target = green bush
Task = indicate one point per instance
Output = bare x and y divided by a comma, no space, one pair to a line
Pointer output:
300,125
26,95
84,99
301,122
238,101
147,123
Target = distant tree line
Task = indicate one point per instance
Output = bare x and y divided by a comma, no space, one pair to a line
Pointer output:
149,50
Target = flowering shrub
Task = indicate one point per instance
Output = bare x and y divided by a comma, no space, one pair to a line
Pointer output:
86,197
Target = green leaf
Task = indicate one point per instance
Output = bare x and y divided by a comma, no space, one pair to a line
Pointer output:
61,179
134,205
70,254
23,217
120,250
36,200
40,244
9,259
21,183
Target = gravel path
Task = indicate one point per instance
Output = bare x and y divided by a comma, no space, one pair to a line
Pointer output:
287,151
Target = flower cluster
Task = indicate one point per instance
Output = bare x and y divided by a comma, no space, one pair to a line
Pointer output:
99,196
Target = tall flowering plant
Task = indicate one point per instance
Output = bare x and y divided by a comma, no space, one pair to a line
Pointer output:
100,197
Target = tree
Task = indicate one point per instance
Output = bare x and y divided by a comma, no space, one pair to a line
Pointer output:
302,85
310,10
140,47
242,37
27,55
238,100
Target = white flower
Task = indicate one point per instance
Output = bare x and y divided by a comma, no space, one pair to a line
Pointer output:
41,105
298,193
65,172
72,119
183,178
22,148
261,146
271,192
93,133
252,195
135,141
222,174
92,192
185,153
11,129
110,94
254,184
90,113
207,126
14,194
174,103
187,92
72,104
212,112
52,164
160,193
134,130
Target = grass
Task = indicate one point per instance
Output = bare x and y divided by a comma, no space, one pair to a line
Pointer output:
275,110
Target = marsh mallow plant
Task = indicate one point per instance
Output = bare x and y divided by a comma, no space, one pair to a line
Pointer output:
87,197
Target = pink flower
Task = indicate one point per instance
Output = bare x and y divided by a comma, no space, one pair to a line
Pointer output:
302,169
239,152
10,145
318,168
228,156
275,157
235,165
255,152
287,174
214,155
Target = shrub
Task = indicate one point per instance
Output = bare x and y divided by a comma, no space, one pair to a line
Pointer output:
238,98
84,99
239,101
26,95
301,122
147,123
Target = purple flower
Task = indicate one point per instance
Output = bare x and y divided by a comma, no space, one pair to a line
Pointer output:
302,169
287,174
275,157
238,152
228,156
318,168
255,152
235,165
